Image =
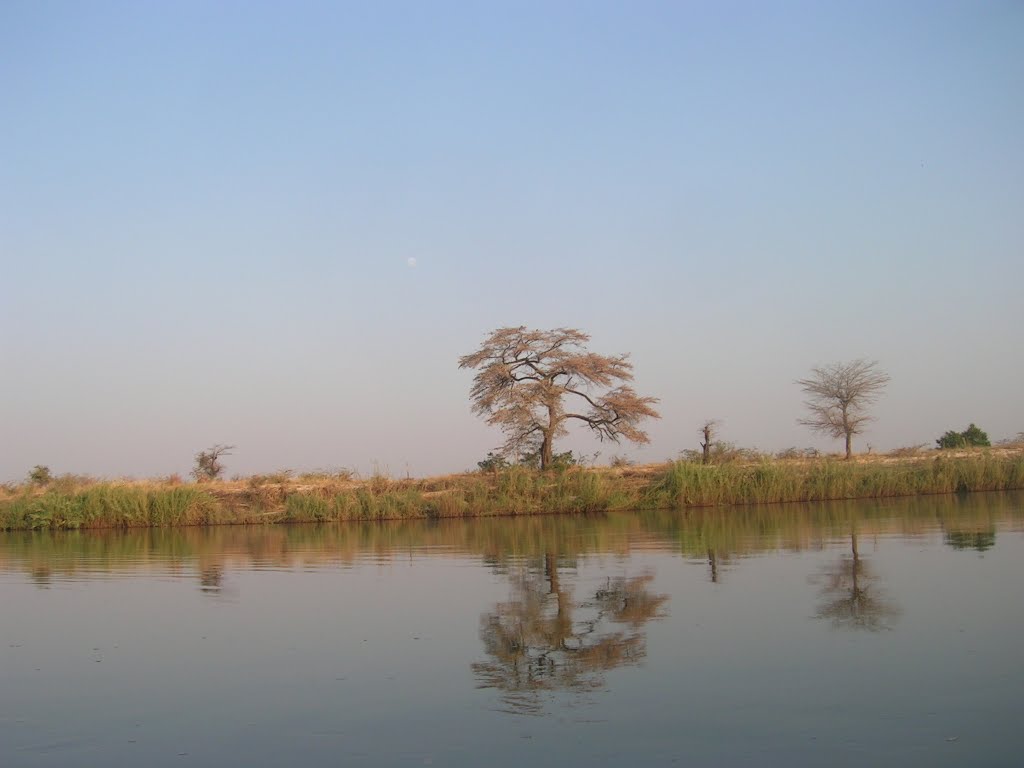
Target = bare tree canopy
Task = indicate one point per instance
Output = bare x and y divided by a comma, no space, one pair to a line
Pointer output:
208,465
525,378
838,396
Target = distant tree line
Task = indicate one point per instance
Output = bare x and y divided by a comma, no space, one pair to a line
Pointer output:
532,384
528,380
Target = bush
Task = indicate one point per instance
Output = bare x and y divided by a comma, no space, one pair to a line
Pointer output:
971,436
494,462
40,475
907,451
558,460
798,453
722,452
340,474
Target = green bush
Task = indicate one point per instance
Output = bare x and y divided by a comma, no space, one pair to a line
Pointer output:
40,475
494,462
972,436
563,460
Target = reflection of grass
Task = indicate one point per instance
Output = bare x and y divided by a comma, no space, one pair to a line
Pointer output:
732,532
82,503
721,534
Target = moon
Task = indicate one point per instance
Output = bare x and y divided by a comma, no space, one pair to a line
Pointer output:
411,261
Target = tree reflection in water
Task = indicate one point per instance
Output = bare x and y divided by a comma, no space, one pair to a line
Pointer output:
980,541
543,640
851,598
211,577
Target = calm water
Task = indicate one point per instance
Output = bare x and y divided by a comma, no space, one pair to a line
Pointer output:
849,634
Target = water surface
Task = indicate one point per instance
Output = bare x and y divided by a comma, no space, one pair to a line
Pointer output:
879,633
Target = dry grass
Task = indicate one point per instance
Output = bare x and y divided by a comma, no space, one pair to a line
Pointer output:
81,502
908,450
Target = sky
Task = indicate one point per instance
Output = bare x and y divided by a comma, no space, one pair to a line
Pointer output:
279,225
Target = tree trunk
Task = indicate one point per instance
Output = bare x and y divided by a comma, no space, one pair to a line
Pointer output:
551,571
546,451
855,563
562,628
546,447
849,441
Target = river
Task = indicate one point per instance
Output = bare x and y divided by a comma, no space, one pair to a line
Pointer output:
849,634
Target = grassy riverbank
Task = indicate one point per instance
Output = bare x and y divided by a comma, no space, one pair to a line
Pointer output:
83,503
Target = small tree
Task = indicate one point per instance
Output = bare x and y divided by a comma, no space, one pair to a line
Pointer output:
208,465
525,378
40,475
708,431
971,436
838,396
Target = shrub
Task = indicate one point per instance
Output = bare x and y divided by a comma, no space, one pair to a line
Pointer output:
907,451
493,463
341,474
558,460
40,475
722,452
798,453
971,436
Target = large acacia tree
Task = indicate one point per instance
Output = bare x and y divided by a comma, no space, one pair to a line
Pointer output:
838,396
532,383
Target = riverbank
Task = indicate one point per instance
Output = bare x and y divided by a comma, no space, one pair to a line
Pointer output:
83,503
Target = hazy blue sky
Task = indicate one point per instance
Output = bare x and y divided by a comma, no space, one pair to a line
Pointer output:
207,212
